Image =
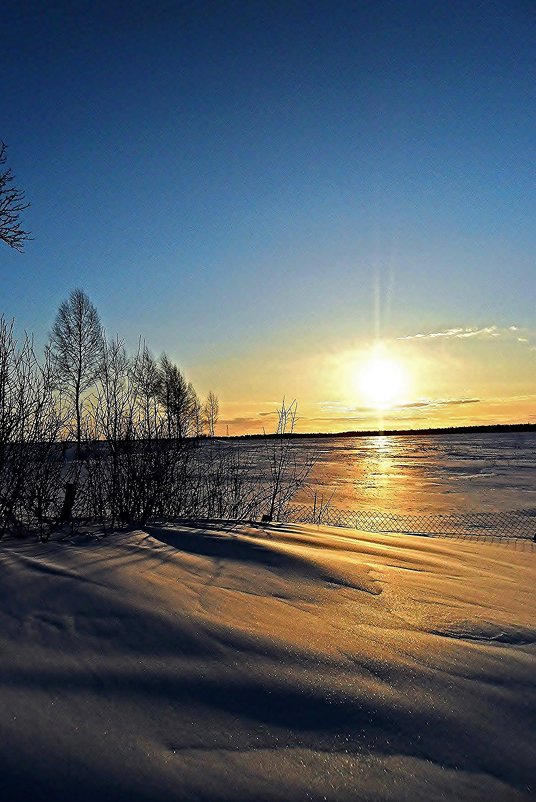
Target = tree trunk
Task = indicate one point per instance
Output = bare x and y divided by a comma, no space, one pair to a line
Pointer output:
68,503
78,431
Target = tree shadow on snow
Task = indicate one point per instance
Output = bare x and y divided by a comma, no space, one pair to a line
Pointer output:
227,547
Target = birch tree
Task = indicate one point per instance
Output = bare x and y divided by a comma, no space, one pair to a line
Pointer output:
76,342
211,410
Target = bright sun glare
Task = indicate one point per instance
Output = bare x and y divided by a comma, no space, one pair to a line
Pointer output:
383,381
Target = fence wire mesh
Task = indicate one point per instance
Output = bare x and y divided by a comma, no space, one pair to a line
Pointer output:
508,524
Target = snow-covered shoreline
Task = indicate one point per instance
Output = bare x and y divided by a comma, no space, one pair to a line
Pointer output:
288,663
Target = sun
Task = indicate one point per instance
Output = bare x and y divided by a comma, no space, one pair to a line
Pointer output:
383,381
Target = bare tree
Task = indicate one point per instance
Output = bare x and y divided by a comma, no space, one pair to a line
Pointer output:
30,422
76,348
196,412
12,203
211,410
43,454
179,401
145,381
287,474
113,414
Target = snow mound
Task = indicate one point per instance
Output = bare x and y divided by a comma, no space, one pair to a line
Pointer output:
292,663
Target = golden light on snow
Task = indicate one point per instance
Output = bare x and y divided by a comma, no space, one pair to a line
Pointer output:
383,381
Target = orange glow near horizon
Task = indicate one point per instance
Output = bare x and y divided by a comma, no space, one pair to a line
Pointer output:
413,383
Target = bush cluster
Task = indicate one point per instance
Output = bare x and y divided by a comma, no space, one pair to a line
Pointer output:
91,434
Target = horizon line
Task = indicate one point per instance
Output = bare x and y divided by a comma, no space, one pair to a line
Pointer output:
471,428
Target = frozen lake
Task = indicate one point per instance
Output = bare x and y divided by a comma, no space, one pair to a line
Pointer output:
422,474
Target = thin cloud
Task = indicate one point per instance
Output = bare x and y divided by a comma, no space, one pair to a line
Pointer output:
424,403
458,333
516,334
239,421
440,402
340,418
371,420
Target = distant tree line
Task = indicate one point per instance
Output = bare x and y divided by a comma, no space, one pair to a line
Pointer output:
92,434
485,428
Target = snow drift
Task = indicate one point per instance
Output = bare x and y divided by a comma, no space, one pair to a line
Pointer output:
292,663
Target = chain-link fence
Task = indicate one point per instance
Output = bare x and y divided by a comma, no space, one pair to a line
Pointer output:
509,524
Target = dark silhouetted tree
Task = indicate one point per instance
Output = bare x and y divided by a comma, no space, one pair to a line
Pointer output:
146,383
76,343
179,401
12,204
211,410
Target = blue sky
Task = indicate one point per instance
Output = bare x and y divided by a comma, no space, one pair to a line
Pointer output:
223,177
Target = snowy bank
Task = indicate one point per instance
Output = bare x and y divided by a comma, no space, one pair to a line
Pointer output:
293,663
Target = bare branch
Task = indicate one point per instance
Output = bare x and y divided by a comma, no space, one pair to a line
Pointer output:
12,204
